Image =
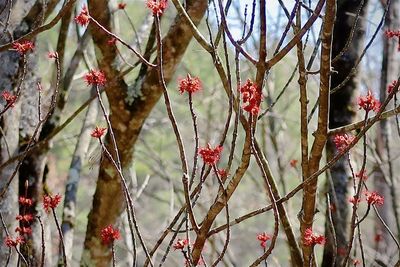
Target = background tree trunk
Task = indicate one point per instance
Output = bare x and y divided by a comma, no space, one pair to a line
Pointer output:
341,113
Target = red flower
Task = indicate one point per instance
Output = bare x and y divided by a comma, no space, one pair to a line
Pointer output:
10,242
354,200
51,202
189,84
356,262
223,174
293,163
391,86
23,230
109,235
210,155
362,175
263,238
369,102
25,218
9,98
95,77
25,201
180,244
393,34
157,6
342,141
112,41
98,132
23,47
373,198
52,55
83,18
121,5
378,238
251,96
311,239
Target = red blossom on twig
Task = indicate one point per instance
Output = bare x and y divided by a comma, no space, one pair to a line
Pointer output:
51,202
223,174
83,17
52,55
394,34
362,175
342,141
25,201
369,102
356,262
23,47
374,198
109,234
95,77
210,155
98,132
157,6
180,244
354,200
23,230
391,86
25,218
121,5
293,163
10,242
263,238
9,98
251,96
312,239
112,41
189,84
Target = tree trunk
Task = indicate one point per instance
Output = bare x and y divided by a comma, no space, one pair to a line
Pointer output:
341,113
127,119
389,212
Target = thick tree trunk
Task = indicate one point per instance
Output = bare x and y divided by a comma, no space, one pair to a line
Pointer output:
127,119
341,113
389,212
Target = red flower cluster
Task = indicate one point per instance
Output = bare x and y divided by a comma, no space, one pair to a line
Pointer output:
25,201
112,41
263,238
391,86
83,18
311,239
121,5
9,98
369,102
342,141
393,34
10,242
52,55
354,200
24,218
23,230
180,244
189,84
251,96
95,77
23,47
210,155
362,175
109,235
157,6
373,198
223,174
293,163
98,132
51,202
